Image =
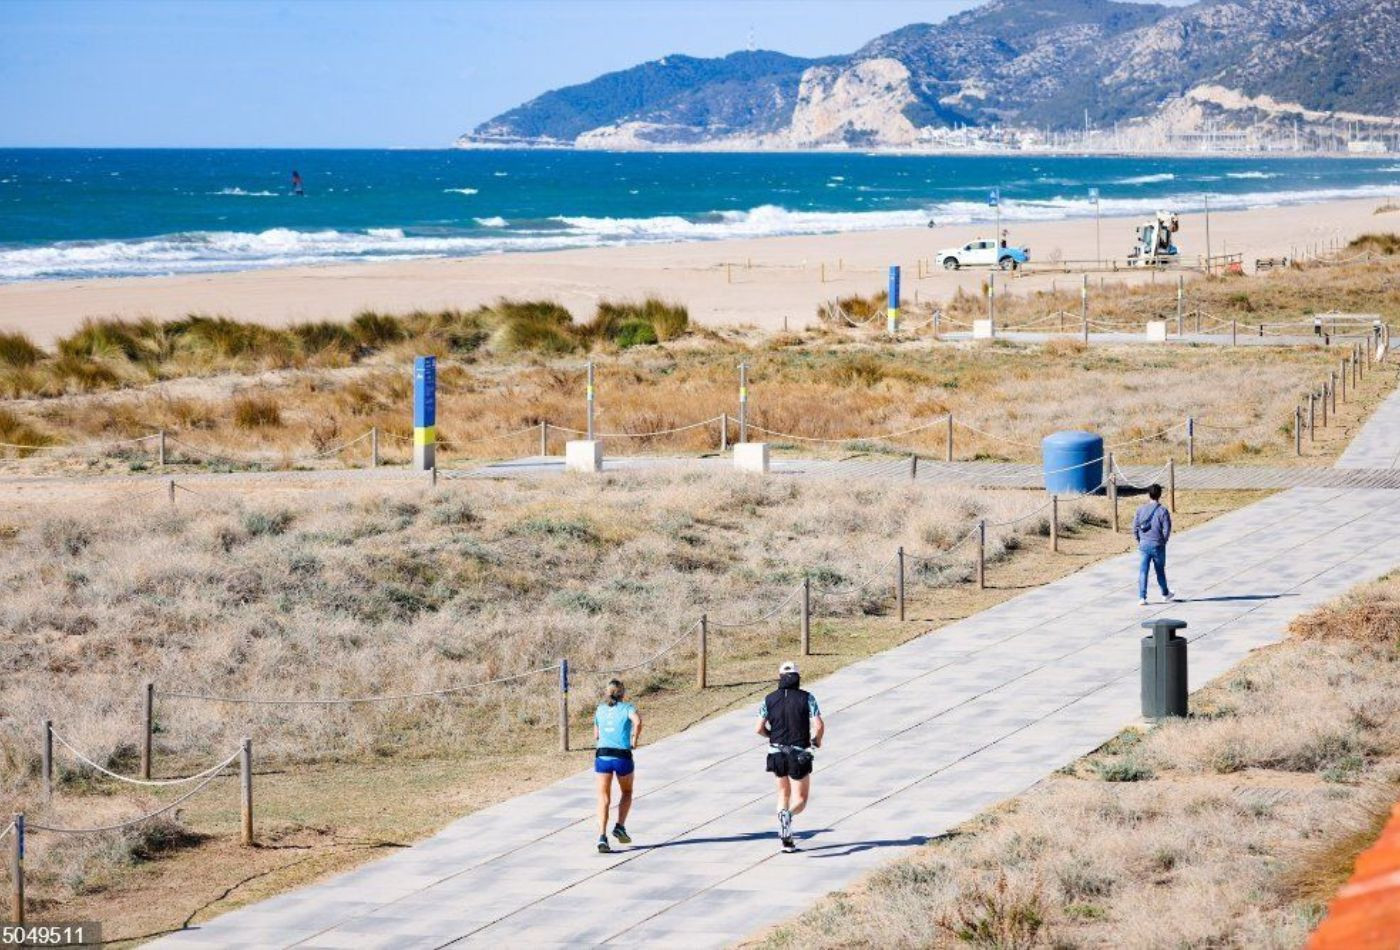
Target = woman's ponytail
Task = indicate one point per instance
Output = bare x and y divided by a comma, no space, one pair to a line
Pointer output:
615,692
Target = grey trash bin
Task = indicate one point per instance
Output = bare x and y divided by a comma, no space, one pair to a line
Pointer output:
1164,669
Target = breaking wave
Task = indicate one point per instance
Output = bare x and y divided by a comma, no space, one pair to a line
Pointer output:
1147,179
196,251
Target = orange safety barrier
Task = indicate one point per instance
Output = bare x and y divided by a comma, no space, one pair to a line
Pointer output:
1365,914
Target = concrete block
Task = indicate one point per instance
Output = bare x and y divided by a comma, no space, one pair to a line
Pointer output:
582,455
1156,331
983,330
751,457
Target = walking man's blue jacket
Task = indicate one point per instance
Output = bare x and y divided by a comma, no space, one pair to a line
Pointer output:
1152,525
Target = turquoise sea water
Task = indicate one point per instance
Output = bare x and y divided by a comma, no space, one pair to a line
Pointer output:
73,213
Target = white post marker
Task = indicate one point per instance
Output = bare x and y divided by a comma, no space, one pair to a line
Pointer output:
751,457
585,455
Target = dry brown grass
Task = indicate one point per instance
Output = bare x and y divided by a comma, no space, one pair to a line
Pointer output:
353,590
1228,829
825,388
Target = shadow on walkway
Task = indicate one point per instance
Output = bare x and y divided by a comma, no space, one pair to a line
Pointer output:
1231,597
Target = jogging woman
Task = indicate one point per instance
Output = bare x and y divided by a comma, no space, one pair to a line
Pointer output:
616,731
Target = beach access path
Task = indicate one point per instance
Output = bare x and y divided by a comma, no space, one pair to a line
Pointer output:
920,739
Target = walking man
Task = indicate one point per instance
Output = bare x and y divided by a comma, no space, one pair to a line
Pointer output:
1152,526
792,723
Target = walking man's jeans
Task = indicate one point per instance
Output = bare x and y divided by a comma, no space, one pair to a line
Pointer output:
1155,556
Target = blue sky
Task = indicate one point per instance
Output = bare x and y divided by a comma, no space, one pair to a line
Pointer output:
301,73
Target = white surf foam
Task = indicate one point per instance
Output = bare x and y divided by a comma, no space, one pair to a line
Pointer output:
1251,175
1147,179
240,193
460,191
280,247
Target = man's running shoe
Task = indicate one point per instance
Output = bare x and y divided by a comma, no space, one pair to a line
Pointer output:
620,833
785,825
603,847
789,846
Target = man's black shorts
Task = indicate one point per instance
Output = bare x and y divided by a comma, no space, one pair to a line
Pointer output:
790,763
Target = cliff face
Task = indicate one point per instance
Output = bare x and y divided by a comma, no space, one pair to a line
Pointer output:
1020,65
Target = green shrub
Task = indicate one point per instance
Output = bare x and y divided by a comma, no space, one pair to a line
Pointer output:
103,339
18,351
269,523
371,329
325,336
636,333
1124,769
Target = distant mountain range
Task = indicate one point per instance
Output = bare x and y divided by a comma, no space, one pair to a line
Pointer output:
1229,73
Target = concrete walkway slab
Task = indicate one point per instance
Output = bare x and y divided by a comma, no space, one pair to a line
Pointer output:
921,738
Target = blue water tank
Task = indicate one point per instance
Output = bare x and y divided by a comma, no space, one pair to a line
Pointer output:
1073,462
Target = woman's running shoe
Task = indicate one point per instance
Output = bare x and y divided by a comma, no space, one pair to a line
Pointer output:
620,833
603,847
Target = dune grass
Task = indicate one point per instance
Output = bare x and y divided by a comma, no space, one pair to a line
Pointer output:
830,387
105,353
1230,828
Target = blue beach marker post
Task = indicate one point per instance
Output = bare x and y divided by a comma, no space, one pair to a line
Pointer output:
892,303
424,413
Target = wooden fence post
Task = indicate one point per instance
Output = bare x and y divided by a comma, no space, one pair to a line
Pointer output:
1171,483
1297,430
245,770
17,869
1342,376
1084,306
148,706
1234,332
563,705
899,581
1190,440
982,554
948,455
374,447
1113,498
806,616
544,438
1054,522
1326,396
724,432
1333,377
46,760
1312,417
702,658
913,466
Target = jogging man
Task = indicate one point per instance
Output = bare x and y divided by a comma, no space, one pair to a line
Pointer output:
1152,526
792,723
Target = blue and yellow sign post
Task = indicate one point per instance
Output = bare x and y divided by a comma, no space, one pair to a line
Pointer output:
892,303
425,413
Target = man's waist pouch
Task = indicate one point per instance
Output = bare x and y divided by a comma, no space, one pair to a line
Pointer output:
604,752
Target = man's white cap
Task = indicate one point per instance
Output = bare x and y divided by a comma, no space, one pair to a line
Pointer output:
788,667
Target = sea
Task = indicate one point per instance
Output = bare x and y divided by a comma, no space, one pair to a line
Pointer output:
84,213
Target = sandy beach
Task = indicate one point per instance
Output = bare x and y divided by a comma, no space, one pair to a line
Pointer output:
759,281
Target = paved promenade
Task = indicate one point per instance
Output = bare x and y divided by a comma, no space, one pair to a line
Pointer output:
920,739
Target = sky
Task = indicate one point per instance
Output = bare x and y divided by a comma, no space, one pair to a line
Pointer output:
363,73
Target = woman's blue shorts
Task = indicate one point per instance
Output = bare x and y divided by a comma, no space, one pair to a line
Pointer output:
604,765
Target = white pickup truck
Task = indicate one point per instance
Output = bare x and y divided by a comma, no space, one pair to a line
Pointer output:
983,252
